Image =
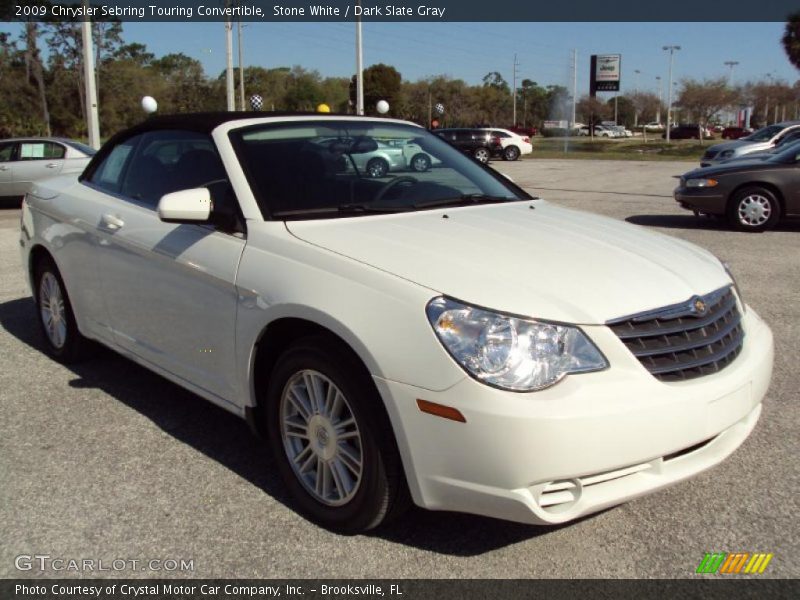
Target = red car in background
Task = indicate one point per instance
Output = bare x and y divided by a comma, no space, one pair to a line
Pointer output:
529,131
734,133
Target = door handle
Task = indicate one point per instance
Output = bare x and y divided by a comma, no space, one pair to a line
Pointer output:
112,222
51,165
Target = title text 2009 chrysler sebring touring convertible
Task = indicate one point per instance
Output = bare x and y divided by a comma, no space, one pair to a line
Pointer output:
436,335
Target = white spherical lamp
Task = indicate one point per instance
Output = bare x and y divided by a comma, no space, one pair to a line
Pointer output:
149,104
382,106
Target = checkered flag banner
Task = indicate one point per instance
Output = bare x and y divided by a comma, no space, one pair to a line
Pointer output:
439,108
256,102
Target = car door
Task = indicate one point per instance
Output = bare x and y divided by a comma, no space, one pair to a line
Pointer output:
7,151
36,160
170,288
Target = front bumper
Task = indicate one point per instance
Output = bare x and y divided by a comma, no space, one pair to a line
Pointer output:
592,441
701,199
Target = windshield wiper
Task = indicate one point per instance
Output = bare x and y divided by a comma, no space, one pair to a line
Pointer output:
342,209
465,200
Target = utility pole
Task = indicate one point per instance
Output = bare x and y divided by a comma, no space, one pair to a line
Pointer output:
241,66
636,73
229,62
92,119
730,64
359,67
660,100
574,84
514,90
671,50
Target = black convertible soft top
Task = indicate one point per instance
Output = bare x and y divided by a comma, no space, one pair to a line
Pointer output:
201,122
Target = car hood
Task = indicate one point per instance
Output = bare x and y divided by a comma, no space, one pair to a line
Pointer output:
738,165
547,262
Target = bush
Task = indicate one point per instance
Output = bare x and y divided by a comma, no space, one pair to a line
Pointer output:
555,132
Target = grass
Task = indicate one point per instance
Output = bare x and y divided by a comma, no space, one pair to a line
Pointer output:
627,149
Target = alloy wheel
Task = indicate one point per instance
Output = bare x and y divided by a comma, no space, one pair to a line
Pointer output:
52,310
321,438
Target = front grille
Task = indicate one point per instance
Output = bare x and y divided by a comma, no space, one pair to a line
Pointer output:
710,154
684,341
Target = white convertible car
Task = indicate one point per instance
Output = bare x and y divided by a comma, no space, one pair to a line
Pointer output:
438,337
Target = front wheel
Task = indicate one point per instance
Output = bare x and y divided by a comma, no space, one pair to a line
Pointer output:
62,339
482,155
331,438
754,209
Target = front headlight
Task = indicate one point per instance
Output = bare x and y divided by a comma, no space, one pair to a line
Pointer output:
511,353
701,183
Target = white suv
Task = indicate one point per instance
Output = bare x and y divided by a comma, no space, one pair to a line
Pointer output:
441,336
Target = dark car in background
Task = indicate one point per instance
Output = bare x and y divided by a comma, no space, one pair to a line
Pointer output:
524,131
687,132
734,133
478,143
753,195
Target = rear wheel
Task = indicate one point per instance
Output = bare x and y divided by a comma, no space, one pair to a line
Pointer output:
420,163
511,153
331,438
482,155
377,167
62,339
754,209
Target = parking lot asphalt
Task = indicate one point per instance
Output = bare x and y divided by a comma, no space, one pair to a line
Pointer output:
107,461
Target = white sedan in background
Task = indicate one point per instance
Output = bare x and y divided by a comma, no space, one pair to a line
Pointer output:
440,337
514,145
24,161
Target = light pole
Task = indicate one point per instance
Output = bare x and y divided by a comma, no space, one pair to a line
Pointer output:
359,67
92,119
231,103
660,100
671,50
636,73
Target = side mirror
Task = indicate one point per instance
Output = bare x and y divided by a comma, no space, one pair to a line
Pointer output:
185,206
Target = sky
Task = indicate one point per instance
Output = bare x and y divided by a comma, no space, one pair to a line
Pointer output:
469,51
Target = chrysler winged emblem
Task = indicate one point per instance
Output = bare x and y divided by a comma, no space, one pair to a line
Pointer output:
698,306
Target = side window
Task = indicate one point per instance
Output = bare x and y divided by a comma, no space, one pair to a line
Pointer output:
40,150
168,161
108,176
6,152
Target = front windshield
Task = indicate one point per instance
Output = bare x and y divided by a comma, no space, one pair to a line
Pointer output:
328,168
764,134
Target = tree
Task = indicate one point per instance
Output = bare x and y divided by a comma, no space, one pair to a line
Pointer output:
35,69
381,82
496,81
791,39
703,100
591,110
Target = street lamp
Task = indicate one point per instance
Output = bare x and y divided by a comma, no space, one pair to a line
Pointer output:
671,50
636,73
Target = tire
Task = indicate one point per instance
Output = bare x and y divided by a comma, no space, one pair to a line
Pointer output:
482,155
754,209
356,499
511,153
54,313
420,162
377,167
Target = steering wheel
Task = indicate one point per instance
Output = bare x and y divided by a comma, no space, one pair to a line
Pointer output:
391,184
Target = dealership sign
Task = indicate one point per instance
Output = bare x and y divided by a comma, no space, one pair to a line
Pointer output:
606,70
